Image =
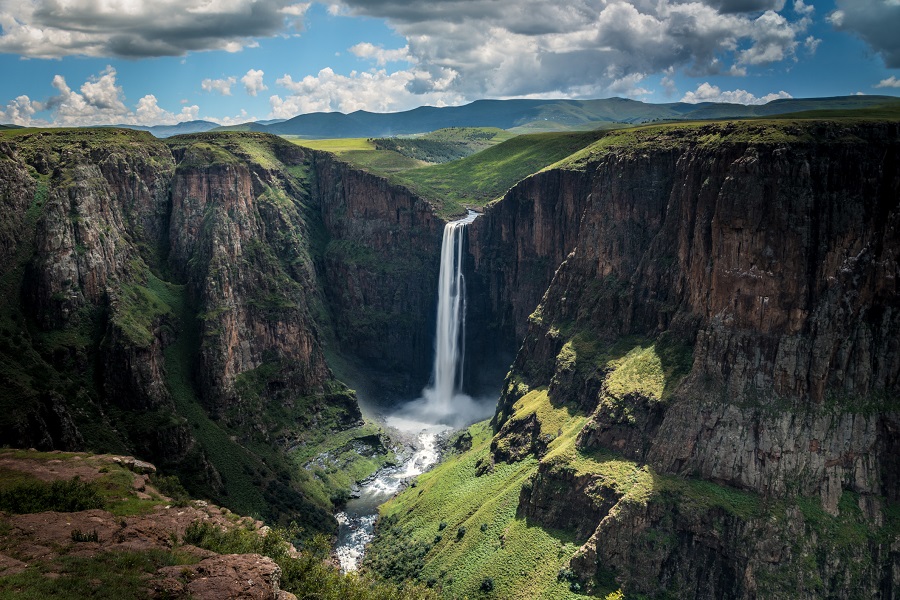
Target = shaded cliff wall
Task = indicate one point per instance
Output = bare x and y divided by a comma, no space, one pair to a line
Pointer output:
240,239
748,272
146,280
518,243
380,272
86,214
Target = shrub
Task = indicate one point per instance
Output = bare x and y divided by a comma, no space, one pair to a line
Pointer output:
83,536
487,584
170,485
60,496
460,532
306,575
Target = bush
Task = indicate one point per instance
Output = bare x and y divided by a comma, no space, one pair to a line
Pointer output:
60,496
460,532
442,526
487,584
307,575
82,536
170,485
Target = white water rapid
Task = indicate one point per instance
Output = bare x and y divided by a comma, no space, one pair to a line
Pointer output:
441,408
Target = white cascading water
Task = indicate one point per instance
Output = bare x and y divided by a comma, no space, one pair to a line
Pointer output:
449,348
441,407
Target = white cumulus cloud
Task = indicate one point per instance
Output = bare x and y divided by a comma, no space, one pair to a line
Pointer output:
379,54
220,86
712,93
140,28
371,90
98,101
579,47
890,82
253,81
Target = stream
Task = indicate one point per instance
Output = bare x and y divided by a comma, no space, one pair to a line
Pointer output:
356,523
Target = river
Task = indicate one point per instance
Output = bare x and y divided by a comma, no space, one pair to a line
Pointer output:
356,523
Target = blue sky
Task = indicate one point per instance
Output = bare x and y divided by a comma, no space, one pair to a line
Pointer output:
80,62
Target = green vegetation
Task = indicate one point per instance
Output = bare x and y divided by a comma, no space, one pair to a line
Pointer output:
113,491
340,459
472,181
120,575
40,496
476,180
201,150
363,153
477,137
521,559
790,129
140,306
307,575
887,111
444,145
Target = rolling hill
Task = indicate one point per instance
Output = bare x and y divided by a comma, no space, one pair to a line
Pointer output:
539,115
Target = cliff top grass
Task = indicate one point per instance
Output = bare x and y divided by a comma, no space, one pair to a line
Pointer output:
478,179
363,154
54,146
229,147
93,135
790,129
469,182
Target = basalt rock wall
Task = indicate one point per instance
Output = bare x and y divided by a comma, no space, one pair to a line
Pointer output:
380,274
757,266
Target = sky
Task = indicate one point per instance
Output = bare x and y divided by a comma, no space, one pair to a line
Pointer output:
150,62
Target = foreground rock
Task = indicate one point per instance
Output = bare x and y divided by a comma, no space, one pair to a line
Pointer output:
46,542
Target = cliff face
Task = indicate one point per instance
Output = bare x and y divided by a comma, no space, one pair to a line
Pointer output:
380,273
239,238
82,214
145,280
519,242
727,310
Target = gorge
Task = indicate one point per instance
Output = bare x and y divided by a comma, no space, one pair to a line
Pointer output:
704,316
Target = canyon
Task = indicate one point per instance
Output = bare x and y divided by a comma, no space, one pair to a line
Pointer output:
702,322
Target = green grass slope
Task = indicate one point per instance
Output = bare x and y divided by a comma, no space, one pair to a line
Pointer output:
444,145
476,180
363,154
460,528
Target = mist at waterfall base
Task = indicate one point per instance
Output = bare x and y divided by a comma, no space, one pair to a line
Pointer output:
442,406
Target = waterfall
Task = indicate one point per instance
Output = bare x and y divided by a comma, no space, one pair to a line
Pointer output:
449,348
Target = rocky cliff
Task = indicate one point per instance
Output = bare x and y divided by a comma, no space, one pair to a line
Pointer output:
163,299
726,311
380,274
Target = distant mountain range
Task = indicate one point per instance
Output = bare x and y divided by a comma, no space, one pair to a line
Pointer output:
164,131
518,115
540,115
